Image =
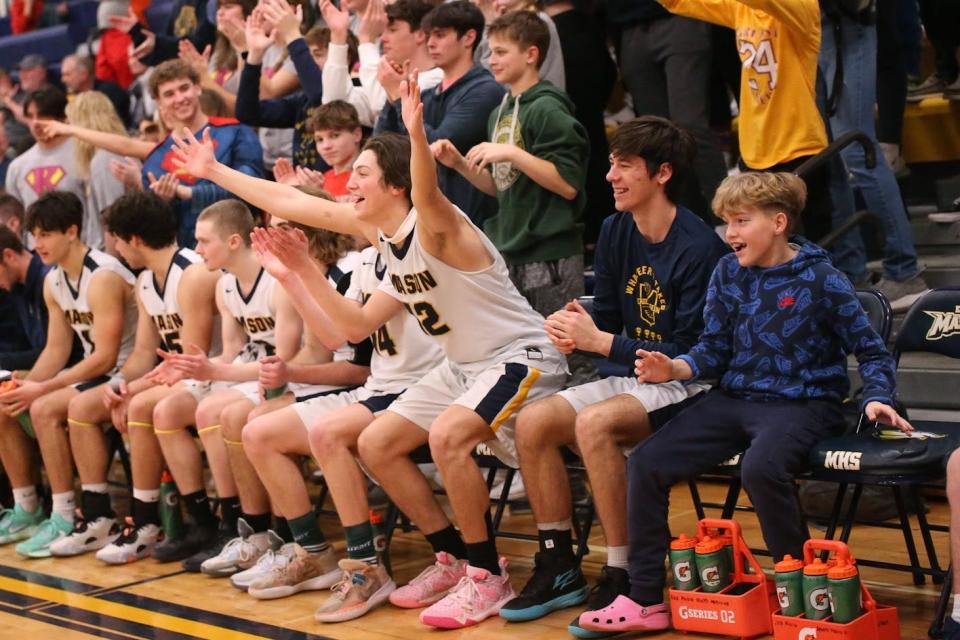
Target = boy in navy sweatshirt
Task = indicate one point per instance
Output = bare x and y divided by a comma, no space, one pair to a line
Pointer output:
778,322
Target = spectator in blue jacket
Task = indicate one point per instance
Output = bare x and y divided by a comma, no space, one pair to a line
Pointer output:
176,87
188,19
458,108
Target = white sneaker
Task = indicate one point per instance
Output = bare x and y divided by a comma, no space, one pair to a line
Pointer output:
132,545
241,552
86,536
270,560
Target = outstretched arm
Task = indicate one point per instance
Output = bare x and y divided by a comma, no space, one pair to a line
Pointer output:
197,158
444,231
115,142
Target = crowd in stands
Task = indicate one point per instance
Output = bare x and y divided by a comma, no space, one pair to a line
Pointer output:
298,204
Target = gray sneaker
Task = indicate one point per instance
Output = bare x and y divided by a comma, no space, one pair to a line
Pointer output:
932,87
904,293
952,91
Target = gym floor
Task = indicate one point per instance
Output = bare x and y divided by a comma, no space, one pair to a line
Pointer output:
82,598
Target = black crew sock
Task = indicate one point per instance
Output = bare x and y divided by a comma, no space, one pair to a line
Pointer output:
282,529
198,506
483,555
556,542
95,505
145,513
229,512
448,540
645,599
258,523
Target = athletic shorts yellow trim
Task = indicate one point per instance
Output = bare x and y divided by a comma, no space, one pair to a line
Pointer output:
134,423
518,399
164,432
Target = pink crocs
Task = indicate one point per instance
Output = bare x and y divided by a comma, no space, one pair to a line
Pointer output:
626,615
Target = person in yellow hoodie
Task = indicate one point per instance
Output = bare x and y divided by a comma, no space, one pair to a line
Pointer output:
780,126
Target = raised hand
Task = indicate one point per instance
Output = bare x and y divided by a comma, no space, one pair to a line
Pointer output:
165,186
286,20
884,413
653,366
234,29
411,107
127,172
267,258
309,177
337,19
390,75
288,245
258,36
199,61
372,22
283,172
194,156
447,154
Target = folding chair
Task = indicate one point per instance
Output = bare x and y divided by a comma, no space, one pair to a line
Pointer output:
932,325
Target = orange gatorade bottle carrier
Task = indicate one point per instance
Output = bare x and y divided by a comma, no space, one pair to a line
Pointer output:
743,608
874,622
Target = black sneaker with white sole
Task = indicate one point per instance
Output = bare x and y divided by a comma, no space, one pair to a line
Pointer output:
556,583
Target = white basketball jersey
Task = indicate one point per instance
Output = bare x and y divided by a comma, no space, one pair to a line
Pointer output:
344,268
161,303
402,352
75,302
479,318
254,311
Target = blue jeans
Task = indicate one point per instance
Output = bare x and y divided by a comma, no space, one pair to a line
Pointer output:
855,111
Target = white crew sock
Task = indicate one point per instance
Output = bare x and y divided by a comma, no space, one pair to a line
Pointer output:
26,497
617,557
64,505
146,495
100,487
956,607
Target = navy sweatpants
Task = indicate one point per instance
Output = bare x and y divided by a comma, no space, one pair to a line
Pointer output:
777,437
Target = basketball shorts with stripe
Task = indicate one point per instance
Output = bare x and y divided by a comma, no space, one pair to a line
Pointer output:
496,394
312,408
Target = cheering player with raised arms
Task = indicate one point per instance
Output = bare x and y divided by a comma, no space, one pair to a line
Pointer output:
445,271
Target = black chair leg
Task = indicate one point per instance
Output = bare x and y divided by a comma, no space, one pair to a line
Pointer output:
851,514
918,578
936,627
582,525
925,534
697,502
503,498
733,494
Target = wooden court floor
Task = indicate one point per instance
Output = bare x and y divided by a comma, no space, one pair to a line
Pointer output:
76,598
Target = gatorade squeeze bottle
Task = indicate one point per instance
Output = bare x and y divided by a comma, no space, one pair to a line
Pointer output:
843,583
683,563
270,394
816,599
789,581
712,565
727,541
24,416
170,516
379,536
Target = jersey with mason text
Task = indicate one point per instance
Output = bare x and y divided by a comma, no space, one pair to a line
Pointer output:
75,301
402,352
479,318
161,303
255,312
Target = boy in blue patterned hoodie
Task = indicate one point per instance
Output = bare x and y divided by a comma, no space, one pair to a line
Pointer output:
779,321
